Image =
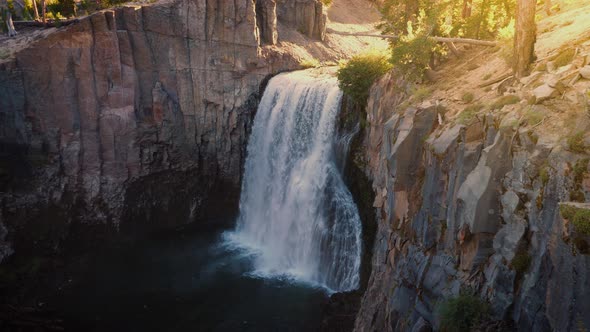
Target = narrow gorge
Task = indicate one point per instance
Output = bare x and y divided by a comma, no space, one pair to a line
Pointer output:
182,165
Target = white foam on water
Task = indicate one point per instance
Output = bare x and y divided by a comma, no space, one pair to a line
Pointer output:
297,217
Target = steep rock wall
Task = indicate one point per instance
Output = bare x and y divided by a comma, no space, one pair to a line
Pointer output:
306,16
456,204
130,98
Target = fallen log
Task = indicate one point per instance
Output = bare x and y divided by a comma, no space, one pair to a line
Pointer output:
438,39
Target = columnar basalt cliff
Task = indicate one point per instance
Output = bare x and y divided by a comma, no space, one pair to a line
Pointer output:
457,207
138,114
307,16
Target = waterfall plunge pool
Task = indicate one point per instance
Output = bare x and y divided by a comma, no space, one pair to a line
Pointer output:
183,281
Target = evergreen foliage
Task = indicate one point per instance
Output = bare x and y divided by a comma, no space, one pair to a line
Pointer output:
356,76
414,21
462,313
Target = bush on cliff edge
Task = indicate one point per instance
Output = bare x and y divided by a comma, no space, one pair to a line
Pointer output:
356,76
462,313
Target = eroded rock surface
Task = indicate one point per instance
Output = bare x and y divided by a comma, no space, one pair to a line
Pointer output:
456,206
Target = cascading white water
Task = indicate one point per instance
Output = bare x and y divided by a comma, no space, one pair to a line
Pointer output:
295,209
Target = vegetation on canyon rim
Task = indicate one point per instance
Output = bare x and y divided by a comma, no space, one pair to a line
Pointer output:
411,26
358,74
579,216
415,22
47,11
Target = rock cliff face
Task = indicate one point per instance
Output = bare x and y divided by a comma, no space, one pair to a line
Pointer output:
136,114
459,207
307,16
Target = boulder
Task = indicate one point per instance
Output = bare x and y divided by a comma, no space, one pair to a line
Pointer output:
585,72
544,92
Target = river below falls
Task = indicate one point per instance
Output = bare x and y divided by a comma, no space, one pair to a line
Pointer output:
182,281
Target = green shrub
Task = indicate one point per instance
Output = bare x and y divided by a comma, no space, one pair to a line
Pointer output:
582,221
503,101
462,313
309,63
533,117
576,142
521,262
567,211
580,170
469,113
412,55
356,76
421,93
468,97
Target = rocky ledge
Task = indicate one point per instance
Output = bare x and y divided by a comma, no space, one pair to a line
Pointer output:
473,206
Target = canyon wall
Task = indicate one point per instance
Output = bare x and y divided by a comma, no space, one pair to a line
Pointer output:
306,16
470,208
135,116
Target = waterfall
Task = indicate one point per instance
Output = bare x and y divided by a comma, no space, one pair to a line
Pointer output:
295,209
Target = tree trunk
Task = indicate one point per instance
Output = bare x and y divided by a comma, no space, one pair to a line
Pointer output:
467,4
35,9
483,13
525,36
43,10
